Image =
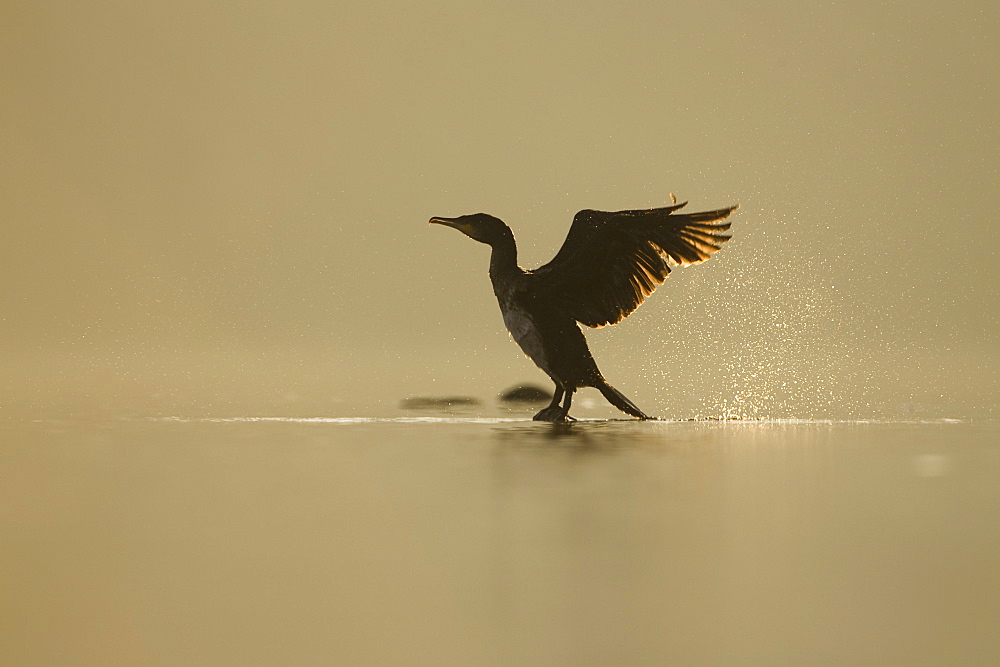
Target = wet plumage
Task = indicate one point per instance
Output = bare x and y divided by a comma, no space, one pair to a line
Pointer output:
607,266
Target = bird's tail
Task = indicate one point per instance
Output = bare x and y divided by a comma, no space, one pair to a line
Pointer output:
617,399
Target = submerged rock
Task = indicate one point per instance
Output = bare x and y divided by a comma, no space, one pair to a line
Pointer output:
432,402
526,393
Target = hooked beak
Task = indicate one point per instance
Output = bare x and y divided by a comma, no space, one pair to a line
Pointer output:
454,223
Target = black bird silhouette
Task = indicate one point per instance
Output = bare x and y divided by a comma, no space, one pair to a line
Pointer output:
607,266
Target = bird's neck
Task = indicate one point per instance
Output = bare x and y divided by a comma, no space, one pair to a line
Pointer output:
503,261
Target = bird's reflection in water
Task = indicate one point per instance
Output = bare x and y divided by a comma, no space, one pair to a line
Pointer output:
578,435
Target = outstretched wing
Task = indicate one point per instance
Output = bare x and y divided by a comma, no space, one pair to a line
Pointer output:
610,262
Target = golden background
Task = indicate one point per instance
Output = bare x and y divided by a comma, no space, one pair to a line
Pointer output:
220,208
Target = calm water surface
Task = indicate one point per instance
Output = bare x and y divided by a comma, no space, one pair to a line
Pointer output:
498,542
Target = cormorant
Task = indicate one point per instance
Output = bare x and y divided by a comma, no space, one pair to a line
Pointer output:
607,266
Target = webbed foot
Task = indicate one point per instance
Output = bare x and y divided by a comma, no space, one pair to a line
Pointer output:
553,413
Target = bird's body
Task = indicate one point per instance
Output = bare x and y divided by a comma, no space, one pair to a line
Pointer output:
609,263
555,343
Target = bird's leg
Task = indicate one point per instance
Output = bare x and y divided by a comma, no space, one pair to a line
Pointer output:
553,412
566,403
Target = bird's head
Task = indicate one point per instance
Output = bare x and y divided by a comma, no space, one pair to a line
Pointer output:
479,226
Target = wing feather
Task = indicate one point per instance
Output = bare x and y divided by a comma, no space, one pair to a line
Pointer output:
611,261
